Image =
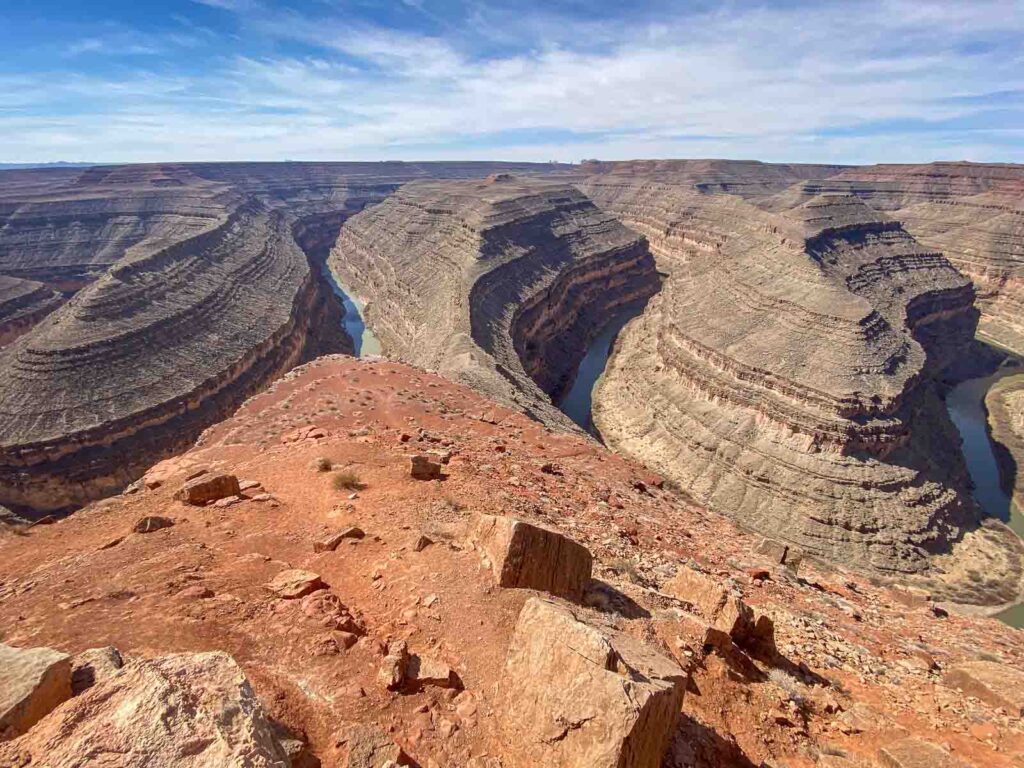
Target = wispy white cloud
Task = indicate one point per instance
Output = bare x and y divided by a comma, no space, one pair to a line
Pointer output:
862,80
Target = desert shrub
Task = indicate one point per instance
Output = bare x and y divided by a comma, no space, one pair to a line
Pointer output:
347,481
321,464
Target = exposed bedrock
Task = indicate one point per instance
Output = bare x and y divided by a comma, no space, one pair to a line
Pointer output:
784,375
23,303
194,292
500,284
973,213
138,363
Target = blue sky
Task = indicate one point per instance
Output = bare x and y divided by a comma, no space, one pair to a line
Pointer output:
815,81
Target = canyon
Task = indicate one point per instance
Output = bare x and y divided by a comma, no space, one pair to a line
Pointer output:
190,293
758,543
796,325
499,284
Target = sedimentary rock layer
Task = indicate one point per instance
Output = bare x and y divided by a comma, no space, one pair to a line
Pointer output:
196,285
973,213
783,376
138,363
499,283
1005,406
23,303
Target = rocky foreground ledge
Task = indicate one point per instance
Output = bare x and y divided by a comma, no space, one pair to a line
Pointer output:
369,565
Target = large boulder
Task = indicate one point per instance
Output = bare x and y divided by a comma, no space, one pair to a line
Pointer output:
995,684
196,710
574,694
730,618
527,556
33,681
208,487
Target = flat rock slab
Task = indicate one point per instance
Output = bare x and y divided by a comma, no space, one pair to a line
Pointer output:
529,557
370,747
331,541
295,583
915,753
996,684
207,488
194,709
577,695
33,681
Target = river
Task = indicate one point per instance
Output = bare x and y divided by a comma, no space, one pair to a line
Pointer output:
965,403
578,401
966,406
365,342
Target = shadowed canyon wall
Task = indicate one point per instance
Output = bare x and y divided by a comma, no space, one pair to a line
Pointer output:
499,284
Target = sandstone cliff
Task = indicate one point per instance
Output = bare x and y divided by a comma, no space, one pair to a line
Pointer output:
973,213
783,375
499,284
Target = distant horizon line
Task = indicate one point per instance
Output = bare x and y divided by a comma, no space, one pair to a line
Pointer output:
73,164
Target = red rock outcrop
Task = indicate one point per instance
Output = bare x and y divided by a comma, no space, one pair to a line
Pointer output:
856,665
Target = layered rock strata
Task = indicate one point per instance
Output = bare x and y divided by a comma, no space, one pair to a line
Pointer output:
197,284
784,374
973,213
23,303
137,364
499,284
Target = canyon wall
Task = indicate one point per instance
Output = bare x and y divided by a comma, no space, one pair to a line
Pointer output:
500,284
23,303
194,286
973,213
784,375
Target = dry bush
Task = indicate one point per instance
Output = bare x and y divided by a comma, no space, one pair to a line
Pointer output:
347,481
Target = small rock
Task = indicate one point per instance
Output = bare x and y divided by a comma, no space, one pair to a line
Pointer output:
422,543
330,542
152,523
423,670
94,666
422,468
370,747
248,485
227,501
207,488
393,669
295,583
197,592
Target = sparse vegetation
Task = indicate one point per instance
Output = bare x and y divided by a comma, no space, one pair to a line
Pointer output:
794,688
347,481
322,464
